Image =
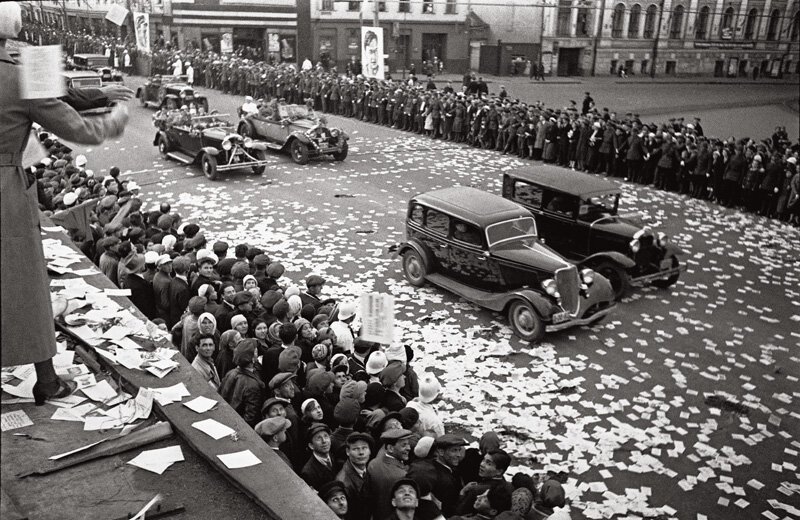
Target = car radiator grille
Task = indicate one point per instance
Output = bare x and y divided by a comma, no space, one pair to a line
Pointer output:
568,286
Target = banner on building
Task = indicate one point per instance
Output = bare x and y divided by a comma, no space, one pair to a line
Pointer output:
377,317
226,43
273,42
117,14
372,65
141,22
288,46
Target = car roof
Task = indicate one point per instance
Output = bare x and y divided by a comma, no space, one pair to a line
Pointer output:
80,74
567,181
473,205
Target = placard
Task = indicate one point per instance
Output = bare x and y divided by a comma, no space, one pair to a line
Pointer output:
117,14
377,317
372,65
39,66
141,22
226,43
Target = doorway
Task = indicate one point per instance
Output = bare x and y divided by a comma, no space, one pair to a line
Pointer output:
569,61
402,56
433,46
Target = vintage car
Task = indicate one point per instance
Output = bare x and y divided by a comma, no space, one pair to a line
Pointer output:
211,141
486,249
97,63
81,79
577,216
169,93
298,130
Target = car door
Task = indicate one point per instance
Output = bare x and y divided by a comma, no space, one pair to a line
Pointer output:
557,222
469,261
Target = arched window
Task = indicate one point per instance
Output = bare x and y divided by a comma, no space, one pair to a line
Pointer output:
795,27
774,27
701,26
633,22
650,21
676,28
726,27
751,25
617,20
564,17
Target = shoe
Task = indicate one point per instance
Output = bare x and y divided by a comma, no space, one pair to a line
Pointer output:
62,389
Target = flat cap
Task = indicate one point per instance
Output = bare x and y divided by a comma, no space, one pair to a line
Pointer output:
329,489
315,428
279,379
271,401
314,279
450,440
392,436
272,426
360,436
242,297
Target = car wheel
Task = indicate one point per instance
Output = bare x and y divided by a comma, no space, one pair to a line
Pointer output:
170,104
209,165
261,155
342,155
616,276
163,147
299,152
525,321
666,282
244,130
414,268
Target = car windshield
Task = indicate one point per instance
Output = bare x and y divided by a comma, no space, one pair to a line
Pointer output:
598,206
508,230
293,111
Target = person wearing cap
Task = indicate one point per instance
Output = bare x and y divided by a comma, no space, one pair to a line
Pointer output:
273,431
283,387
179,291
358,449
260,263
375,364
490,473
393,379
446,482
161,283
320,467
386,469
142,295
405,495
335,497
150,260
314,286
345,335
110,258
429,420
490,504
205,270
241,387
551,496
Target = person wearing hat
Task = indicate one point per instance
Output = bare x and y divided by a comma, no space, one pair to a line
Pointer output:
345,414
361,352
206,260
142,295
429,389
358,449
150,260
179,291
314,287
335,497
393,379
490,473
110,258
442,470
551,496
342,326
161,283
273,431
260,263
490,504
274,272
405,495
375,364
241,388
386,469
320,467
319,386
220,248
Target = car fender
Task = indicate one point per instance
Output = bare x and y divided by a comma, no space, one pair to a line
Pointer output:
672,250
601,289
613,256
159,134
210,150
246,122
300,136
258,146
421,250
540,303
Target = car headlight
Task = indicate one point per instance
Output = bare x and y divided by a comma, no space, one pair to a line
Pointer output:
551,288
587,275
248,142
227,145
662,239
635,245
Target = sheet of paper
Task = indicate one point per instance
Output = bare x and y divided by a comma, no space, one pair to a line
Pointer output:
117,292
239,459
65,414
101,423
126,343
116,332
215,430
101,392
159,460
200,404
13,420
170,394
116,14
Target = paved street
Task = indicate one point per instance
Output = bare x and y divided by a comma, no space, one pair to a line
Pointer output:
684,400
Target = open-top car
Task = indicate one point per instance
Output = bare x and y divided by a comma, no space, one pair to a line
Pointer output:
296,129
169,93
97,63
209,140
486,249
577,216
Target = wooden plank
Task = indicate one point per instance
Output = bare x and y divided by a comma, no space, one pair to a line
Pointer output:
272,485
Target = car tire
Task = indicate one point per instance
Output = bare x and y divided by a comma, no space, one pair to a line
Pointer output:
341,155
299,152
163,147
525,321
667,282
261,155
414,268
617,277
209,165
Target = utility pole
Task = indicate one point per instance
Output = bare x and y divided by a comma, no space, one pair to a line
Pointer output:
541,34
598,34
655,40
64,11
375,22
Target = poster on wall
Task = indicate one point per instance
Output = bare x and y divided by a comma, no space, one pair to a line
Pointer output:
273,42
226,43
141,21
288,44
372,65
733,67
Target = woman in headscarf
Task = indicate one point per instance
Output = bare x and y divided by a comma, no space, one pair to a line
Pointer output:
206,324
227,343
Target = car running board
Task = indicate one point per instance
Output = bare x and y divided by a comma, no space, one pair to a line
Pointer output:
273,146
485,299
182,157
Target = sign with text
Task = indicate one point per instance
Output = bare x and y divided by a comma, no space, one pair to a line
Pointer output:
39,66
377,317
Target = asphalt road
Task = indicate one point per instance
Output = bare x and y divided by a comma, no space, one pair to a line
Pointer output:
629,410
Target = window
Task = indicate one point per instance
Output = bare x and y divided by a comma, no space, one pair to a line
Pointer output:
701,27
528,194
650,22
795,27
404,6
437,222
327,5
417,214
353,6
617,20
726,27
382,7
633,22
467,233
427,7
774,25
450,7
584,23
559,203
676,28
751,25
564,17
